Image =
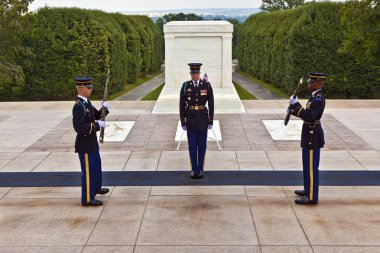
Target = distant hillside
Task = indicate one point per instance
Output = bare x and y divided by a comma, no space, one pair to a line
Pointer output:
240,14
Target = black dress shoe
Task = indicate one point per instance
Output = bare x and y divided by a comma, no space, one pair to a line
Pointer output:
103,191
193,175
93,203
200,175
301,193
305,201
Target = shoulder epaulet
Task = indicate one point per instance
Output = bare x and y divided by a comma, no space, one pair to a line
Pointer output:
78,102
184,86
208,84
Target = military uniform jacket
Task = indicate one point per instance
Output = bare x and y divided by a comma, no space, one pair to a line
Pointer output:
312,132
84,116
191,96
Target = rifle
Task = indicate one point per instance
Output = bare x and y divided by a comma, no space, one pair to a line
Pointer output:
104,110
295,94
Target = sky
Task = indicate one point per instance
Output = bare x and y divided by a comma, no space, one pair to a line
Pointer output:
144,5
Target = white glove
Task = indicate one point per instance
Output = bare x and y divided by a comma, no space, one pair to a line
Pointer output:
209,126
184,128
293,100
287,110
102,124
106,104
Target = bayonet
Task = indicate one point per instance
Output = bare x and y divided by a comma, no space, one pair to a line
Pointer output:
104,109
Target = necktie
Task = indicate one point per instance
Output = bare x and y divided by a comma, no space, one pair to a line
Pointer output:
196,84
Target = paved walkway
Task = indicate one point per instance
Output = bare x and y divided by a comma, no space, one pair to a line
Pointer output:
139,92
142,90
177,215
255,89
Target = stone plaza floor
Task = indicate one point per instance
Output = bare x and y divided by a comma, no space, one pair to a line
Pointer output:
37,137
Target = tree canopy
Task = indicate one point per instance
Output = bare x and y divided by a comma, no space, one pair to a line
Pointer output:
361,20
181,17
277,5
11,48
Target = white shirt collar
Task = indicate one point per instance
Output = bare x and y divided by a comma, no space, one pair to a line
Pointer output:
85,99
196,81
313,93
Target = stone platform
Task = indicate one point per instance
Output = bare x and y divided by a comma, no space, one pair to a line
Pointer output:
38,137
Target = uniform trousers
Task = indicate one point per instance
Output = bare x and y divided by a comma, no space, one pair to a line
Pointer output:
197,140
310,160
91,166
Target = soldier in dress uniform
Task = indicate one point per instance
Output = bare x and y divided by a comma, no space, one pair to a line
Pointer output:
312,138
196,119
86,143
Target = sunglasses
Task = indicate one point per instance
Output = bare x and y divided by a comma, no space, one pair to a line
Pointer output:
90,86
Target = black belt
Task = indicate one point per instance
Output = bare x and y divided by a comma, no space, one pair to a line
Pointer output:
313,123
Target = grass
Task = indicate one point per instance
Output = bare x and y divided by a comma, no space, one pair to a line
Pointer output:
131,86
153,95
243,94
268,86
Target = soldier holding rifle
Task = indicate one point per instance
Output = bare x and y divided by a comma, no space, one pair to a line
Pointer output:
86,143
312,138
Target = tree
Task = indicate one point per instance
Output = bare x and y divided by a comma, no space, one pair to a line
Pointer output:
361,39
277,5
11,73
237,26
181,17
362,35
160,24
193,17
11,12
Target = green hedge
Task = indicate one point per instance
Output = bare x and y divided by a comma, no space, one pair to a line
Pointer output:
280,47
69,42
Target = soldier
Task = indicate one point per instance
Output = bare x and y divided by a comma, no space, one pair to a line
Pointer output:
312,138
86,143
195,117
